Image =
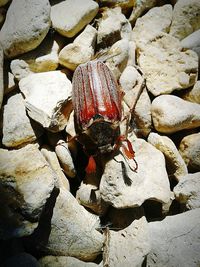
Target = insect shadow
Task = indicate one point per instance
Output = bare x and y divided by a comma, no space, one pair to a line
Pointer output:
126,178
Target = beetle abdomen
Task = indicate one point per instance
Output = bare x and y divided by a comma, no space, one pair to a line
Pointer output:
94,93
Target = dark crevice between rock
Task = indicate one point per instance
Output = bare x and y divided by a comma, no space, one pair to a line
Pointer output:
36,242
153,210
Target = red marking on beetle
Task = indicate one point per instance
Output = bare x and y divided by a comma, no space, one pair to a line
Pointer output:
91,167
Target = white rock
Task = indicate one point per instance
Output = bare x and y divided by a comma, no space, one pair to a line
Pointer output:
166,66
17,127
51,158
43,58
58,261
65,157
3,2
70,125
73,230
190,151
147,28
47,98
192,41
193,94
139,8
69,17
186,18
176,164
122,188
122,3
27,23
171,114
118,62
112,27
132,54
80,51
122,243
1,76
187,191
26,183
175,241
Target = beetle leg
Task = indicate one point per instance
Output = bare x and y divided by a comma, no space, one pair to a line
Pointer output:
91,167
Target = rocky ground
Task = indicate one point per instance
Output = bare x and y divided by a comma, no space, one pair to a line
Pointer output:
51,212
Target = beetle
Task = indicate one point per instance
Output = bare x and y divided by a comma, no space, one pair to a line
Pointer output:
97,103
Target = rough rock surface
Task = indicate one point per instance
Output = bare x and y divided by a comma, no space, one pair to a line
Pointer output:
175,241
26,25
167,66
69,17
189,149
80,51
186,18
187,191
17,127
171,114
47,98
122,188
76,229
176,164
26,182
193,95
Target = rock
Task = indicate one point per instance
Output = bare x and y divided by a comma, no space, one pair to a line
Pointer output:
26,182
175,162
192,41
1,75
58,261
121,244
171,114
17,128
31,24
80,51
186,18
118,58
166,66
193,95
112,27
88,195
9,82
187,191
123,188
73,230
139,8
131,54
51,158
47,98
43,58
70,17
189,149
150,26
3,2
65,157
70,125
122,3
175,241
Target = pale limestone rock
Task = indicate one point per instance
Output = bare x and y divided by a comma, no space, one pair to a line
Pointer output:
73,230
175,241
139,8
187,191
192,41
3,2
88,195
171,114
122,187
70,17
58,261
193,95
122,243
190,151
151,25
176,165
80,51
117,63
51,158
70,125
131,54
166,66
43,58
122,3
1,76
17,128
65,157
47,98
186,18
112,27
27,23
26,183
